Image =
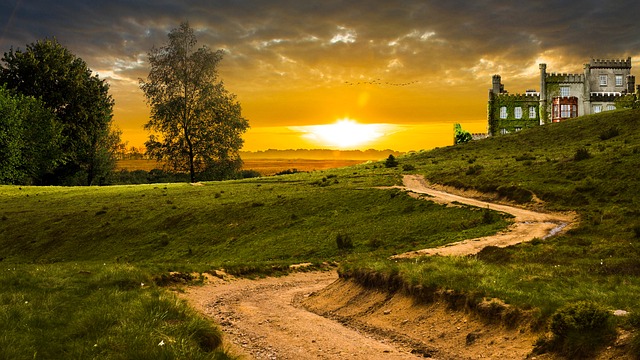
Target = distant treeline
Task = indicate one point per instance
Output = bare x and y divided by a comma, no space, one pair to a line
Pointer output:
320,154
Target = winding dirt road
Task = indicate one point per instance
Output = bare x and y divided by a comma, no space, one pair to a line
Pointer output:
527,225
265,319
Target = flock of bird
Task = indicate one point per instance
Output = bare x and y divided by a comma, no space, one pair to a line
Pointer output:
379,82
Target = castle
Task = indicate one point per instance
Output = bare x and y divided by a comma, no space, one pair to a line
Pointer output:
561,96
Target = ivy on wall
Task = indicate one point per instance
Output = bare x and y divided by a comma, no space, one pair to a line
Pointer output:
496,124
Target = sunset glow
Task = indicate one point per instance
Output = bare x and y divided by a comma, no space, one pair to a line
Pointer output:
402,74
344,133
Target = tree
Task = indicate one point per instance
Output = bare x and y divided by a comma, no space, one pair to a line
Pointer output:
30,139
391,161
199,122
461,136
80,101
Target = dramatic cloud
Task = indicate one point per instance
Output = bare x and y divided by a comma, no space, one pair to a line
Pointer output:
421,54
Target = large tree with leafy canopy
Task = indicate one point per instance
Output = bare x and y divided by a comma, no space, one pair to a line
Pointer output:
30,139
79,100
198,123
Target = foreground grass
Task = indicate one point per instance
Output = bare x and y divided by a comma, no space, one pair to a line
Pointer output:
97,311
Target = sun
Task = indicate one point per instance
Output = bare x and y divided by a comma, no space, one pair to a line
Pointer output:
343,134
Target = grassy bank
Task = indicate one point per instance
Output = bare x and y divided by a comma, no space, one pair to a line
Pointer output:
587,165
92,310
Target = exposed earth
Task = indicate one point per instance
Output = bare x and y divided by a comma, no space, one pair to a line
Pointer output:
316,315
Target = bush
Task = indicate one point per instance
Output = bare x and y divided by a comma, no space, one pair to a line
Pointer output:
515,193
408,167
581,154
579,329
391,162
609,133
475,169
344,242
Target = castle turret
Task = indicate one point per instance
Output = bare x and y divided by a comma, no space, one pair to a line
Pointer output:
586,94
543,94
497,87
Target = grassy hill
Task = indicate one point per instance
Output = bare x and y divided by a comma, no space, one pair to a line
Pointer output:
76,242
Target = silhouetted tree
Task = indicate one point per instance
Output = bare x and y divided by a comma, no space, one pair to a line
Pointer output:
391,161
200,122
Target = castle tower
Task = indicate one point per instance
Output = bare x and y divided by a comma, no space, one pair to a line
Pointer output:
543,94
497,86
586,96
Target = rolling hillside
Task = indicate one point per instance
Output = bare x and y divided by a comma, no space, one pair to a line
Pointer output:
588,165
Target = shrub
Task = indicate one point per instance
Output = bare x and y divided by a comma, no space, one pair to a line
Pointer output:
247,174
515,193
344,242
475,169
581,154
391,162
609,133
408,167
581,328
288,172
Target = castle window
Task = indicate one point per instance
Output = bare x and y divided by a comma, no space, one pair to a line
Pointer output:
518,128
564,91
566,111
503,112
603,80
597,109
611,107
504,131
618,80
518,112
532,112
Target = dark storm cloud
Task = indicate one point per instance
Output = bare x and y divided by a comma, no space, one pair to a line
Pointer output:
333,40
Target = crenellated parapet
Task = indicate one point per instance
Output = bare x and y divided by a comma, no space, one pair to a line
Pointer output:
564,78
611,64
518,97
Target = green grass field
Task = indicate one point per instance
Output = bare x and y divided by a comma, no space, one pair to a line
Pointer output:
82,252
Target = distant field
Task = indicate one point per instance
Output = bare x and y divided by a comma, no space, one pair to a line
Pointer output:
273,166
263,166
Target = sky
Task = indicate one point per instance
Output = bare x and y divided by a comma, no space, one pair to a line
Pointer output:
379,74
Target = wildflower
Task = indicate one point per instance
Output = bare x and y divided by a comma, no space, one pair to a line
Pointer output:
161,343
142,284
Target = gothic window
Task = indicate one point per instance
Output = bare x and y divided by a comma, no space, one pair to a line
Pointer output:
503,131
565,111
603,80
564,91
532,112
503,112
618,80
518,128
518,112
597,109
611,107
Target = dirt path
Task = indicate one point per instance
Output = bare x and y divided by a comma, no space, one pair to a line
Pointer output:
262,319
528,224
268,318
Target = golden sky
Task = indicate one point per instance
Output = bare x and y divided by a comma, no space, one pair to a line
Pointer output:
405,70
